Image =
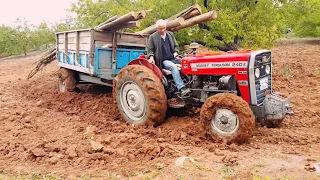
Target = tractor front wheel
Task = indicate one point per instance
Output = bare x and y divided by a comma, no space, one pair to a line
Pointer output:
228,117
140,96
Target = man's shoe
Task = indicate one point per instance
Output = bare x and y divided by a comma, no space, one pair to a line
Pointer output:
184,91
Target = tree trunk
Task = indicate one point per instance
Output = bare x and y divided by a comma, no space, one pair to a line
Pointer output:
188,13
170,24
121,20
196,20
107,21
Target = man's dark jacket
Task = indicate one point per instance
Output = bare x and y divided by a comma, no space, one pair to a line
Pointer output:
154,47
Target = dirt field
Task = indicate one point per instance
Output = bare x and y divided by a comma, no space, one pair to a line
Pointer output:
45,134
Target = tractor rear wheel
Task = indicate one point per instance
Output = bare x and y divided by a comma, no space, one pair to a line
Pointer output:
140,96
67,80
228,117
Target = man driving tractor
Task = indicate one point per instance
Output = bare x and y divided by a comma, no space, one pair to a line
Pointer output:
162,50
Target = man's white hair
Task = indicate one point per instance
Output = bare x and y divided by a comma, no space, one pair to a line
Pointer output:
161,22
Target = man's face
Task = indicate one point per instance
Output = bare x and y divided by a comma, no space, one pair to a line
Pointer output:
161,29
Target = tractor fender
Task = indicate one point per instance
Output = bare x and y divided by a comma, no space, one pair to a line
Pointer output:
153,67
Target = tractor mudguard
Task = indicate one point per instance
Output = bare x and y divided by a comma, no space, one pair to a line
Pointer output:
143,62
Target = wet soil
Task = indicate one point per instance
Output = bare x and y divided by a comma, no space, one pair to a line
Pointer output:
81,134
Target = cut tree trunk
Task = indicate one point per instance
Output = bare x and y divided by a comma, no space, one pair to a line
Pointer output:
196,20
132,16
170,24
107,21
190,12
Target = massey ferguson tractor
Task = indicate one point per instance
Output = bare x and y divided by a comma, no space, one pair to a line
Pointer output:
233,89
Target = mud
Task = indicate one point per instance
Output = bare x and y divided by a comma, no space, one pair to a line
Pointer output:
81,134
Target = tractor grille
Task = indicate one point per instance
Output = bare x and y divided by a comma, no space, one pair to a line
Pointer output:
263,84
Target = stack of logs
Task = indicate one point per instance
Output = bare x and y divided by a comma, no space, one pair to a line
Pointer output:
129,20
186,18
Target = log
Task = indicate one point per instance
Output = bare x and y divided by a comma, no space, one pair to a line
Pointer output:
170,24
131,24
185,13
107,21
141,15
192,14
196,20
131,16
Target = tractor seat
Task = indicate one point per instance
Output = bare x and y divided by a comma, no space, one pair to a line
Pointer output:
167,72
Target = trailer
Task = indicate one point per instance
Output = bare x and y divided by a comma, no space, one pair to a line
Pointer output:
95,56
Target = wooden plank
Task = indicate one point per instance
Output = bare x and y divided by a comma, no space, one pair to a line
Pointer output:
85,40
60,36
130,38
77,46
102,43
91,48
80,30
85,47
72,34
82,47
131,44
72,40
102,36
61,46
65,46
57,42
84,34
61,41
114,50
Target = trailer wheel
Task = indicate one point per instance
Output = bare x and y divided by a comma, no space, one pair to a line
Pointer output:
140,96
66,80
228,117
272,123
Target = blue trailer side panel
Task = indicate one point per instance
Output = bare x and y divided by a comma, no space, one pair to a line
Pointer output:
103,58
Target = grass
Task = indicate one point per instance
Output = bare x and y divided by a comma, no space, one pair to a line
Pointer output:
4,176
286,71
260,165
316,71
148,174
227,171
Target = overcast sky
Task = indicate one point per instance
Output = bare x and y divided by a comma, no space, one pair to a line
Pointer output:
34,11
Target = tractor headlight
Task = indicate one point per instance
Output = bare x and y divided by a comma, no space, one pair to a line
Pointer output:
257,72
268,69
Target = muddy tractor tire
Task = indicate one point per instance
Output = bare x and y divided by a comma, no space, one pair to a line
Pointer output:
228,118
140,96
66,80
272,123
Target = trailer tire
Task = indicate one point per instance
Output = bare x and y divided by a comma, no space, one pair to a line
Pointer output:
228,117
66,80
140,96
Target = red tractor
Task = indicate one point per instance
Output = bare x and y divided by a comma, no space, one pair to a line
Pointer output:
233,89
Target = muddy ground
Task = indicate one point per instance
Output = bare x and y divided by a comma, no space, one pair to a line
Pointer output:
79,135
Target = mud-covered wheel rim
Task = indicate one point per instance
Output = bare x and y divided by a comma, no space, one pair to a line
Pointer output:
133,101
62,85
225,122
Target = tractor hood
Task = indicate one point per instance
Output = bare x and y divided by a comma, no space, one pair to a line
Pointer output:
216,62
